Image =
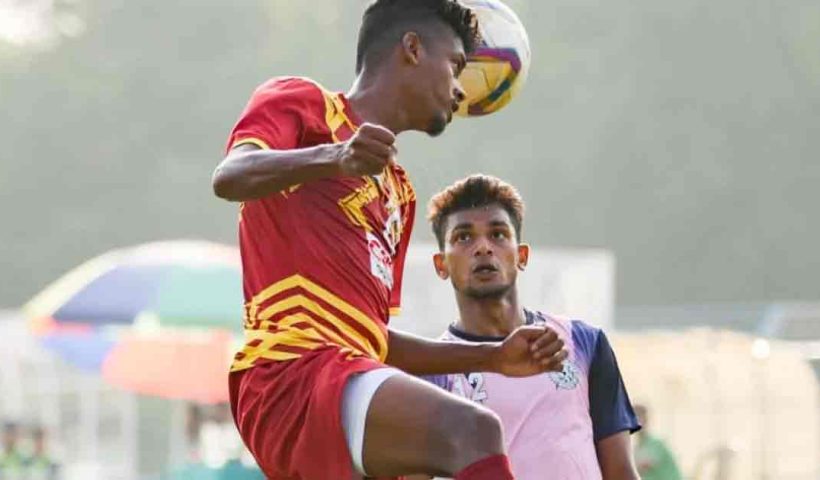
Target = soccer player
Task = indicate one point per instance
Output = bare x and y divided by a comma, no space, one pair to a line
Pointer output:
325,220
567,425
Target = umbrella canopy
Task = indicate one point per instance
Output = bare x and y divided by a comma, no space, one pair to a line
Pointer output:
160,319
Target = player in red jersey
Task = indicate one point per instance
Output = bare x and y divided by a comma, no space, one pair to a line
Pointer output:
318,390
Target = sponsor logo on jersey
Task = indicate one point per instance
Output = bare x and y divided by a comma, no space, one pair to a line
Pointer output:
381,262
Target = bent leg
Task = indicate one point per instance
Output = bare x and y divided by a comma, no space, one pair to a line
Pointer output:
414,427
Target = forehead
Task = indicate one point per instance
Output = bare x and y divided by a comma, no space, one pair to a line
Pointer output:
479,216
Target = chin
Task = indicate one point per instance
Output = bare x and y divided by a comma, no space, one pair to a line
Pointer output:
437,126
487,292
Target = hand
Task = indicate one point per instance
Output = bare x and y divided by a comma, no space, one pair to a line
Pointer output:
529,351
367,152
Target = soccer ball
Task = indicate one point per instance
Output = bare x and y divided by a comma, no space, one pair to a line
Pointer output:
498,67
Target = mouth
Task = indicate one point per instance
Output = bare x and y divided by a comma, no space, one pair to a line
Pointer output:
485,269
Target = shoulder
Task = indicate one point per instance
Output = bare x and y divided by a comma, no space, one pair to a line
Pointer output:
585,333
290,91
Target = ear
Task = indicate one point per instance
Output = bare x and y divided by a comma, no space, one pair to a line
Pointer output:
441,266
523,256
411,47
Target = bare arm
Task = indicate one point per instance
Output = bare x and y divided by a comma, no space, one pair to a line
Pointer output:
615,457
248,172
527,351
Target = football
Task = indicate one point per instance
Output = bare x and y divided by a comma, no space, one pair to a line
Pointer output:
498,67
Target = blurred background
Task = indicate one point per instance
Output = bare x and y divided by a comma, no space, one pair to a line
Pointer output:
667,153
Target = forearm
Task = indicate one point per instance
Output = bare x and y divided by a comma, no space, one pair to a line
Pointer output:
250,173
421,356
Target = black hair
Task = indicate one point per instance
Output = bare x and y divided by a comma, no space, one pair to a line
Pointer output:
474,191
386,21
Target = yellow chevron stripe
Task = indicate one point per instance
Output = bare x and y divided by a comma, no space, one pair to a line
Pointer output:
303,317
308,339
297,280
247,362
278,356
304,302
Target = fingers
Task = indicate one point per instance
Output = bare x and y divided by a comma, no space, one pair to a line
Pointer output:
368,159
531,332
365,163
546,337
377,133
548,349
555,363
373,147
370,150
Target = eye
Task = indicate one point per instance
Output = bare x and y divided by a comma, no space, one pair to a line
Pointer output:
500,235
458,67
461,237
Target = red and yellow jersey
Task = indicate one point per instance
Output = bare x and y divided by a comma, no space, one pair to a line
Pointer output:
322,262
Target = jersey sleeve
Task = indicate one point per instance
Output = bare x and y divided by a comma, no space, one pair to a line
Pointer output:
609,404
278,114
398,261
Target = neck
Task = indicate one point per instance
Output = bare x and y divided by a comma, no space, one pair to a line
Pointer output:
489,317
377,99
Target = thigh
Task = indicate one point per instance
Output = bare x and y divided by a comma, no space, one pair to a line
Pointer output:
415,427
288,414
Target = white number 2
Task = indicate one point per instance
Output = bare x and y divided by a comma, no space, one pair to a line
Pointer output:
476,390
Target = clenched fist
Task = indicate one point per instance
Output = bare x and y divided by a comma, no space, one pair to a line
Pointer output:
530,350
367,152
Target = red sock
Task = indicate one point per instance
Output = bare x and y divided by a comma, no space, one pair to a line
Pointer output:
496,467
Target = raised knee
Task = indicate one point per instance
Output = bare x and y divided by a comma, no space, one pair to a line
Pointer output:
487,426
474,433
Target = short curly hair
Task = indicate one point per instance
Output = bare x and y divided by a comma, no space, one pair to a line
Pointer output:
386,21
474,191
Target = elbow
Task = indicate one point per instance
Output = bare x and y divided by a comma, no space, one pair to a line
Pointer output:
223,186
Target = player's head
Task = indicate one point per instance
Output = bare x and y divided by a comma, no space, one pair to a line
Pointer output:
423,44
477,222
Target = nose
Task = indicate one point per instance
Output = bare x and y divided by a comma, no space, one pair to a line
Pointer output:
458,92
482,248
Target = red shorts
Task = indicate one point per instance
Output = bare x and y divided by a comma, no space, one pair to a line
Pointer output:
288,414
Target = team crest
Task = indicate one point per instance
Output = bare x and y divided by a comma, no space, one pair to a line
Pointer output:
568,378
